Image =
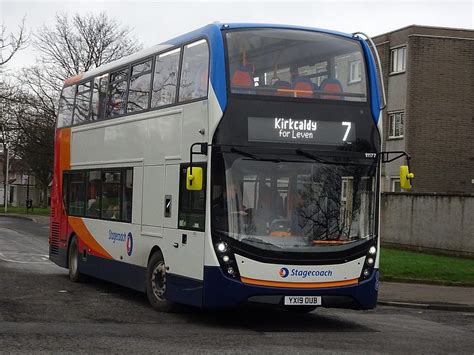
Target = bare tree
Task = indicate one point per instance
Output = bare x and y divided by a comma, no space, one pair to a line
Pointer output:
68,47
77,44
10,43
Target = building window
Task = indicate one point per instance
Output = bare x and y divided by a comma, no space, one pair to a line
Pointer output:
395,185
355,71
396,121
398,60
346,188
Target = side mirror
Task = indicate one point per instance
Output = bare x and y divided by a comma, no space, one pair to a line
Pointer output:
194,180
405,177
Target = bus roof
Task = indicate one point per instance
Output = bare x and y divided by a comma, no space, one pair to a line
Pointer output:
210,31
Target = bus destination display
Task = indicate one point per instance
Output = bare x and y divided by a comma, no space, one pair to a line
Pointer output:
306,131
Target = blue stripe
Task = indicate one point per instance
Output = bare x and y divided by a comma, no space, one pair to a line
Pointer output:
373,82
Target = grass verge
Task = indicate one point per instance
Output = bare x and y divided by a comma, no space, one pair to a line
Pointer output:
22,210
410,266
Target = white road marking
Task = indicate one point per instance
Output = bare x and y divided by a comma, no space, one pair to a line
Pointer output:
24,258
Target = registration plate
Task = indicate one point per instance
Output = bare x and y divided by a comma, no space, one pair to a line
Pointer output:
302,300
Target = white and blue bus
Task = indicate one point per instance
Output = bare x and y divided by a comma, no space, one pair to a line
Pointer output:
236,163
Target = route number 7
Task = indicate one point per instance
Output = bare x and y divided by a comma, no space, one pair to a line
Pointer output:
348,125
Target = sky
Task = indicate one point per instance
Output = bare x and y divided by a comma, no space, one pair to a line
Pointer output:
156,21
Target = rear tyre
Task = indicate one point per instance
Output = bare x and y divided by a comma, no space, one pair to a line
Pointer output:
156,284
73,262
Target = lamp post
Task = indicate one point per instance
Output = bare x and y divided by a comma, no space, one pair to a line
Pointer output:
5,195
6,177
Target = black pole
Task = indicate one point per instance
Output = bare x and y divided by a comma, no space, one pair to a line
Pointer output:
28,193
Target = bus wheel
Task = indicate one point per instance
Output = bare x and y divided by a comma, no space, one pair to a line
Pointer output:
156,283
73,261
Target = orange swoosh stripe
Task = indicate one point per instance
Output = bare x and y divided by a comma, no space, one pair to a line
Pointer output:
249,281
83,233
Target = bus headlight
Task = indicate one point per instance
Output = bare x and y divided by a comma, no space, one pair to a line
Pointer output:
369,264
226,258
221,247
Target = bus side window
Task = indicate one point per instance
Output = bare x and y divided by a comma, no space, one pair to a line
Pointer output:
99,97
111,187
66,106
165,78
194,71
77,194
192,203
82,103
139,88
117,93
93,199
127,195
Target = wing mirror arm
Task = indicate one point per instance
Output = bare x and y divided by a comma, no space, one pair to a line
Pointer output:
406,176
194,181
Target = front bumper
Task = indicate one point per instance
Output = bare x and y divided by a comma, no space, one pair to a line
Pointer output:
221,292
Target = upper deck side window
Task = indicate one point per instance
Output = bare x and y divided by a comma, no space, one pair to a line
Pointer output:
66,106
176,76
83,102
195,71
165,78
118,86
295,64
139,90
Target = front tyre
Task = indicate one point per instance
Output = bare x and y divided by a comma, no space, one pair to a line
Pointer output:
156,284
73,262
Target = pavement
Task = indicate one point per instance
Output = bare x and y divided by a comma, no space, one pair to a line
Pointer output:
398,294
449,298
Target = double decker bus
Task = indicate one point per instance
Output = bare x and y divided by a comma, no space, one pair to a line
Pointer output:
236,163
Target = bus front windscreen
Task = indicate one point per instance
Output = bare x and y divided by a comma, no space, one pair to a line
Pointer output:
295,64
293,205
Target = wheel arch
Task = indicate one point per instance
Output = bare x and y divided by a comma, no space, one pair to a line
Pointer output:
155,249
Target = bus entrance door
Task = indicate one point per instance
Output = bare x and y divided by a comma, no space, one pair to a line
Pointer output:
183,248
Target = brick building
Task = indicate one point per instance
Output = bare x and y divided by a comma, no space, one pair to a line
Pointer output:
429,80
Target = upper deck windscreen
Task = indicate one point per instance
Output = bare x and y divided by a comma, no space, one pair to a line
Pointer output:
295,63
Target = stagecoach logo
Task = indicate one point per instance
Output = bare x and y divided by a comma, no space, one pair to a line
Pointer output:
116,236
129,243
284,272
295,129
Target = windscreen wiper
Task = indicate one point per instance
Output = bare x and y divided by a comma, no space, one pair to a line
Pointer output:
252,156
311,156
